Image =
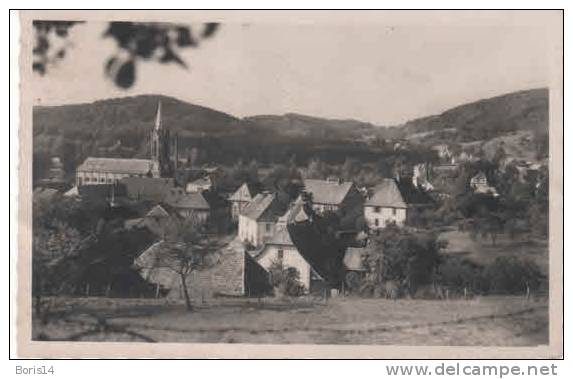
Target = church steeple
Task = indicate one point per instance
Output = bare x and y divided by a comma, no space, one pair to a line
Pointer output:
156,136
158,117
161,145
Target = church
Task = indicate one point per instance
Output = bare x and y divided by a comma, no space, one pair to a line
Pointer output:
162,163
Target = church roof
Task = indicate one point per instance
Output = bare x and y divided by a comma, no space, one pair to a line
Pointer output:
386,194
118,165
327,191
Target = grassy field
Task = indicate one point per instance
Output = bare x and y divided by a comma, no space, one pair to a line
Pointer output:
482,250
499,321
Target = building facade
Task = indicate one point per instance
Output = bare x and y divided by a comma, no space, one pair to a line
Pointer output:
385,206
95,171
241,198
258,220
280,249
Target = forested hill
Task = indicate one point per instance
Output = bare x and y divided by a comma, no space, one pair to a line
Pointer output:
485,119
121,126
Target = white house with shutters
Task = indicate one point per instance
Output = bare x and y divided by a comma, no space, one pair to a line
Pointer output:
385,206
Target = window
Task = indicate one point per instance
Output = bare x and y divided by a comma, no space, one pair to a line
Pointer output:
393,211
377,209
376,222
268,227
280,254
102,180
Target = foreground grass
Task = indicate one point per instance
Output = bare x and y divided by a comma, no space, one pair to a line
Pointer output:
486,321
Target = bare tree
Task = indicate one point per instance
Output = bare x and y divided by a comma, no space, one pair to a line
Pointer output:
185,249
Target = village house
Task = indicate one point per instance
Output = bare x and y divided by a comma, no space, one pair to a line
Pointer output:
385,206
233,273
333,195
479,184
188,205
443,152
242,197
280,249
258,220
199,185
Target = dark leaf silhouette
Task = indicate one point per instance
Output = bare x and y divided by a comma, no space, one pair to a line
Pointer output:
170,56
210,29
110,65
185,38
159,42
126,75
39,68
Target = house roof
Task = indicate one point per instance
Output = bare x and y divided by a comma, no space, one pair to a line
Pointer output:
204,181
148,188
157,211
386,194
295,213
41,193
264,207
479,176
327,192
133,223
72,192
246,192
118,165
100,192
182,200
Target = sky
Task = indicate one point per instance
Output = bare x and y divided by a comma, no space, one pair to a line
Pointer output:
385,72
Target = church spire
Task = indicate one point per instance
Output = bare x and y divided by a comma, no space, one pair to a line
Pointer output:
158,117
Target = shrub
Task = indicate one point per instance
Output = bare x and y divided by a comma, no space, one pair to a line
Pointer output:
286,280
458,273
512,275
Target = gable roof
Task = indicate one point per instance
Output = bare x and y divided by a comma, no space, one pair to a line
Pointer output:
204,181
386,194
295,213
264,207
182,200
156,189
246,192
479,176
327,192
41,193
157,211
118,165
